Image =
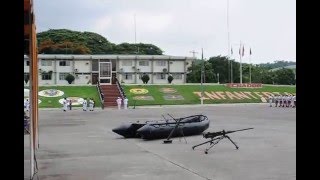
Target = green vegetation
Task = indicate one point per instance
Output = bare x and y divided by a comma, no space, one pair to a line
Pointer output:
187,91
70,78
69,91
190,93
217,69
64,41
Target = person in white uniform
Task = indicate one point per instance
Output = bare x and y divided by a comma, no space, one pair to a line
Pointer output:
270,101
65,104
125,103
119,100
91,104
27,104
84,105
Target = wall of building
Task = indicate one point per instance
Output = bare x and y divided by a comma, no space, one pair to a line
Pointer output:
81,67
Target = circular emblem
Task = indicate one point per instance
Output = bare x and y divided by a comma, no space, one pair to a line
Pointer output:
168,90
139,91
51,93
74,100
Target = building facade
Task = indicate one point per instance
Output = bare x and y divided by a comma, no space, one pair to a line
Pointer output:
89,69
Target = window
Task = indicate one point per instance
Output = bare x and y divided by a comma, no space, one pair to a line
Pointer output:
161,63
143,63
95,65
46,76
177,76
126,63
46,63
64,63
28,63
161,76
62,76
128,76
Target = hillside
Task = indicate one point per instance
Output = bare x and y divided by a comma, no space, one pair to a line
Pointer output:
64,41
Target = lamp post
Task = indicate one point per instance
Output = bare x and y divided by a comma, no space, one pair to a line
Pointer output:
218,78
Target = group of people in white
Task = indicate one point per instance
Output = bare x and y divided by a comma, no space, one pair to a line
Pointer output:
283,101
67,103
26,104
125,102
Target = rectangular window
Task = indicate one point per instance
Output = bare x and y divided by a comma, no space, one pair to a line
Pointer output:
46,76
161,63
177,76
64,63
161,76
128,76
126,63
143,63
46,63
62,76
28,63
95,65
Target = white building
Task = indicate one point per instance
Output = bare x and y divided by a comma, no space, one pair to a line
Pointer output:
89,69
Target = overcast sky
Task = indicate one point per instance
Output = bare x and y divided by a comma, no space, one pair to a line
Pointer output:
268,27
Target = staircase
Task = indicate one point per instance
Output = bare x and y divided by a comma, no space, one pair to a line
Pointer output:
110,93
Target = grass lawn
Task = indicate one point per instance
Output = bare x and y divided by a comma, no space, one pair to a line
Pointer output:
213,94
69,91
189,93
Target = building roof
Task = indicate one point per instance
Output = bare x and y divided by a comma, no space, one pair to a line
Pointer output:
113,56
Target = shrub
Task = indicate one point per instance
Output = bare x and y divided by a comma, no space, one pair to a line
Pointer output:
70,78
170,78
145,78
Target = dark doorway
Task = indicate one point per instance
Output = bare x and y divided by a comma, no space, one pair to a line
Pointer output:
95,77
114,75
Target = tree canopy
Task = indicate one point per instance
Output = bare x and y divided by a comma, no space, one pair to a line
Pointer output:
64,41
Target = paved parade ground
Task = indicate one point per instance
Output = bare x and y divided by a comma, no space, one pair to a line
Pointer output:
77,145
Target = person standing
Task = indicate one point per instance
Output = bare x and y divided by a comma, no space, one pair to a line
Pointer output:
270,101
27,104
119,102
84,105
125,103
65,104
91,104
70,104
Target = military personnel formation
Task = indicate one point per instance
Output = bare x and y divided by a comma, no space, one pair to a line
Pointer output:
283,101
87,105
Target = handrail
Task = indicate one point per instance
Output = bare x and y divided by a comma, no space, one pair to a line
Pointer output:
122,94
100,95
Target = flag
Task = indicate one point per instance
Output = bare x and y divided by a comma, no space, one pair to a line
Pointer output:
202,53
231,51
242,51
250,52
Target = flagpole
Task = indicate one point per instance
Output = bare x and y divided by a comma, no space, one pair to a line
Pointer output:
240,63
229,63
250,65
231,67
201,76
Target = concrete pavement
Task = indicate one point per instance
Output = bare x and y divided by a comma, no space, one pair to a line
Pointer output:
77,145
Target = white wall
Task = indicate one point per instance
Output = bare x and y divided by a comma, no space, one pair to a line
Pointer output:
157,68
177,66
82,66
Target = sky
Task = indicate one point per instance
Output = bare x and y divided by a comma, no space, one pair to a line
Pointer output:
178,27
